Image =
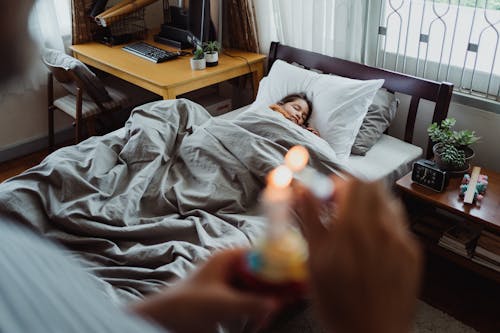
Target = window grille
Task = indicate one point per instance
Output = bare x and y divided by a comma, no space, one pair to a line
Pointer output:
445,40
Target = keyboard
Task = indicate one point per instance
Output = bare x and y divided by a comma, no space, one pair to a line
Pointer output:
150,52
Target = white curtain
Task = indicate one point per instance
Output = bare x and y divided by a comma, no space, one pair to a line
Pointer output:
331,27
50,26
50,23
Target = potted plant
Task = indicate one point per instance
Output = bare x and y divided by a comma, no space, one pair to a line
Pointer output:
198,59
451,148
211,50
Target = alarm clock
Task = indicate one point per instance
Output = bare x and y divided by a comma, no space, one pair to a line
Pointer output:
426,173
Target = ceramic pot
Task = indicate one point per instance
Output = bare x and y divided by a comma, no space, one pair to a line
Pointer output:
197,64
212,58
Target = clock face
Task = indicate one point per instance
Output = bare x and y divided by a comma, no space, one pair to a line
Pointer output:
426,175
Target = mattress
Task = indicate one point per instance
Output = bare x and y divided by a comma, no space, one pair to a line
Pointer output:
389,159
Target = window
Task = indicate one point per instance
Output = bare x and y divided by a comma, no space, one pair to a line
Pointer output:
446,40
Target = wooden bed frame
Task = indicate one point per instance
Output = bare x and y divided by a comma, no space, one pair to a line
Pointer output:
417,88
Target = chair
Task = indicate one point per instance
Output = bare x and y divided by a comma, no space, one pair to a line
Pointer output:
87,95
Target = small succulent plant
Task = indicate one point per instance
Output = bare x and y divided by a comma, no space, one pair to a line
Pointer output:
453,156
211,47
451,144
198,53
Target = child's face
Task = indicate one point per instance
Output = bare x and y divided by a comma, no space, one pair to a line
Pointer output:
297,110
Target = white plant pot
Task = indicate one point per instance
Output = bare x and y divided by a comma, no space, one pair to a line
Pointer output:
212,59
197,64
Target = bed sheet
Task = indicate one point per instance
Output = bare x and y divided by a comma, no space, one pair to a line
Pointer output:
141,206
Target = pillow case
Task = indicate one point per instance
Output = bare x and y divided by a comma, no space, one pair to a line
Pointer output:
339,103
378,118
94,86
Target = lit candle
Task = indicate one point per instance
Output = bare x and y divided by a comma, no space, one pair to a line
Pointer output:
281,255
276,200
278,185
320,185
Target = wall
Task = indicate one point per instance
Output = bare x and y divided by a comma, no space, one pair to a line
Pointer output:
23,117
487,126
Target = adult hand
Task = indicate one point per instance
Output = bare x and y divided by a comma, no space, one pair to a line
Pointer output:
364,264
207,298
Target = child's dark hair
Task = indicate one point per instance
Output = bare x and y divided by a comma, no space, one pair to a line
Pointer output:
292,97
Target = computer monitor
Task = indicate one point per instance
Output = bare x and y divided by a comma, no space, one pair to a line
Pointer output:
186,23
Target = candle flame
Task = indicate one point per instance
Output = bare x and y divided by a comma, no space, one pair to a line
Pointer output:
296,159
280,177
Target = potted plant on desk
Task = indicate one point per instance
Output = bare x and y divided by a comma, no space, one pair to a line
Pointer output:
198,59
451,148
211,50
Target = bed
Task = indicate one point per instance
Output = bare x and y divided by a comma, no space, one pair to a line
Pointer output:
140,206
390,157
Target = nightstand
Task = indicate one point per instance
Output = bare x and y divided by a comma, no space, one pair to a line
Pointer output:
444,210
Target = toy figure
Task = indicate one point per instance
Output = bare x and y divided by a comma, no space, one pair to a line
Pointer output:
481,185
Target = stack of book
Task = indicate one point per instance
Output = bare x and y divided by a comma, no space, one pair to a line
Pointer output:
431,228
487,252
460,239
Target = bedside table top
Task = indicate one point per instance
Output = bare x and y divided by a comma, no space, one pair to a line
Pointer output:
486,211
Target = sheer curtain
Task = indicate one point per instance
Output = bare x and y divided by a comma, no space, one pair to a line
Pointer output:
50,23
331,27
50,27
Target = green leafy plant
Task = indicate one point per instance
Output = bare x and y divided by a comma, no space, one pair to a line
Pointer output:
465,137
211,46
443,133
451,144
198,53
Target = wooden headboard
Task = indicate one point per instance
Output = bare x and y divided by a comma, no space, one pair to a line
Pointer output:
417,88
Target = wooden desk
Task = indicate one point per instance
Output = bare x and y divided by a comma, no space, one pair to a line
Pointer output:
171,78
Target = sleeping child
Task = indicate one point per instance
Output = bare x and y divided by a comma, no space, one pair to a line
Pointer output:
296,108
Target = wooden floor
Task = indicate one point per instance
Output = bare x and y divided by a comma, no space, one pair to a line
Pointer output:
16,166
462,294
11,168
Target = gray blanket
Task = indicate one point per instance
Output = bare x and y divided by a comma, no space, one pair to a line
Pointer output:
141,206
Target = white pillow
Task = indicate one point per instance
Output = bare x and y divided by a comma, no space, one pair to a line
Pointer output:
339,104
